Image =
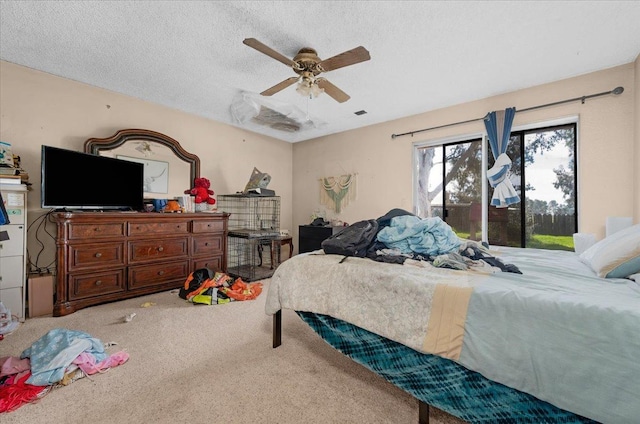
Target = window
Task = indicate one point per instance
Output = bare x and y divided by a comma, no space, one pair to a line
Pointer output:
451,183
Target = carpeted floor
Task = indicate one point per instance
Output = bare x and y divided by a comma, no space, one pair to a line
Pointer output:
210,364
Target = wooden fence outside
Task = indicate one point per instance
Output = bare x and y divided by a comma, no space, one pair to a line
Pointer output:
547,224
554,225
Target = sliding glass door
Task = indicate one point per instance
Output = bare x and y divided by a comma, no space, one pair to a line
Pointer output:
452,176
550,186
450,185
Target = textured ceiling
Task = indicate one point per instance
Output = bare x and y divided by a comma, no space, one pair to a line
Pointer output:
189,55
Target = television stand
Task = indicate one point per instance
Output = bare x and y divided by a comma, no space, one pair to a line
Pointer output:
109,256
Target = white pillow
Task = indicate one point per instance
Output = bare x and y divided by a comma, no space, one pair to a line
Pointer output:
616,256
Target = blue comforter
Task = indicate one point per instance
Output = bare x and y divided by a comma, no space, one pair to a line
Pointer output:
412,234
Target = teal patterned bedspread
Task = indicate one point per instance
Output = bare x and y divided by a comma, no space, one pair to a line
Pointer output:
437,381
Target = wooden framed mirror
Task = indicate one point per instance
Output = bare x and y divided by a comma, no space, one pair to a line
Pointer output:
169,168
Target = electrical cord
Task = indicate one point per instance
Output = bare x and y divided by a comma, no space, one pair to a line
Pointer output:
41,225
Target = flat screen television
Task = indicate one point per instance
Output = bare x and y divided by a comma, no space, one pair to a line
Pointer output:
75,180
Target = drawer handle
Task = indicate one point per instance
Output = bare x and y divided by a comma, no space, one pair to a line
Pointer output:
160,249
96,229
98,282
160,272
98,255
206,244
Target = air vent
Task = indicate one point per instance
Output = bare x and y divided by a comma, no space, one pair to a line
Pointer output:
360,112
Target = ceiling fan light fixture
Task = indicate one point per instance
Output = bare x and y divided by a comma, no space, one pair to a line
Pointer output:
308,87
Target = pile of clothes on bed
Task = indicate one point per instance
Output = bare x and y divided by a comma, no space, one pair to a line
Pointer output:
400,235
58,358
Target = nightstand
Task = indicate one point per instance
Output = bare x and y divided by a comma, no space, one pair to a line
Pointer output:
310,237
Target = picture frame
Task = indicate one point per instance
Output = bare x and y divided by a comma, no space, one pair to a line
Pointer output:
156,174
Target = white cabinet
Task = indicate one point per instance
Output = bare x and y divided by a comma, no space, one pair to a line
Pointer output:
13,252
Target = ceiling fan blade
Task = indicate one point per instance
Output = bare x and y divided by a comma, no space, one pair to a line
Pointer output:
252,42
280,86
350,57
337,94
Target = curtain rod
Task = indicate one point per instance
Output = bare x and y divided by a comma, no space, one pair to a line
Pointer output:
616,91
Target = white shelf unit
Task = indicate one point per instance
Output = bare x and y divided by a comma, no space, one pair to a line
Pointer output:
13,252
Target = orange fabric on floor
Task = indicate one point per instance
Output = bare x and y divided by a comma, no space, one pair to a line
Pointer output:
205,285
240,290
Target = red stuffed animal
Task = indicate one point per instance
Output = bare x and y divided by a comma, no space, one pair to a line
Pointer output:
201,191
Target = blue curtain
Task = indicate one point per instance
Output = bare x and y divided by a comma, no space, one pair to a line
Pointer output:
4,216
498,125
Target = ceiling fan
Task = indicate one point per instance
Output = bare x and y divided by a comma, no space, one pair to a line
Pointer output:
308,66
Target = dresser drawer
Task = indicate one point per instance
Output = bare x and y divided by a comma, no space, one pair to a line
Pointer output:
93,255
96,284
173,227
147,250
214,263
204,245
14,245
213,226
93,231
11,272
151,275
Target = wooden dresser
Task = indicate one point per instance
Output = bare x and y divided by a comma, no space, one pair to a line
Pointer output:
108,256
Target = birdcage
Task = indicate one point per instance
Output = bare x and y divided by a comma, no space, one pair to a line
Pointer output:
254,221
251,212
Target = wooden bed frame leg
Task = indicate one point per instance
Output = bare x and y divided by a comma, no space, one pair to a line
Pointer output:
277,329
423,412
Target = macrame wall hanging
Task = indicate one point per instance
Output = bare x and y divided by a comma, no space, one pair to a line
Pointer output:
337,192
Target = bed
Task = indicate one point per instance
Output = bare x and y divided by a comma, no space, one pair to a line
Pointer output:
556,343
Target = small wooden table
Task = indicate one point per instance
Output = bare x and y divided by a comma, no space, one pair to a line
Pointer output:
276,245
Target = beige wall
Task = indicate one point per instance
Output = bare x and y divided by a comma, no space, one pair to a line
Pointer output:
606,157
37,108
